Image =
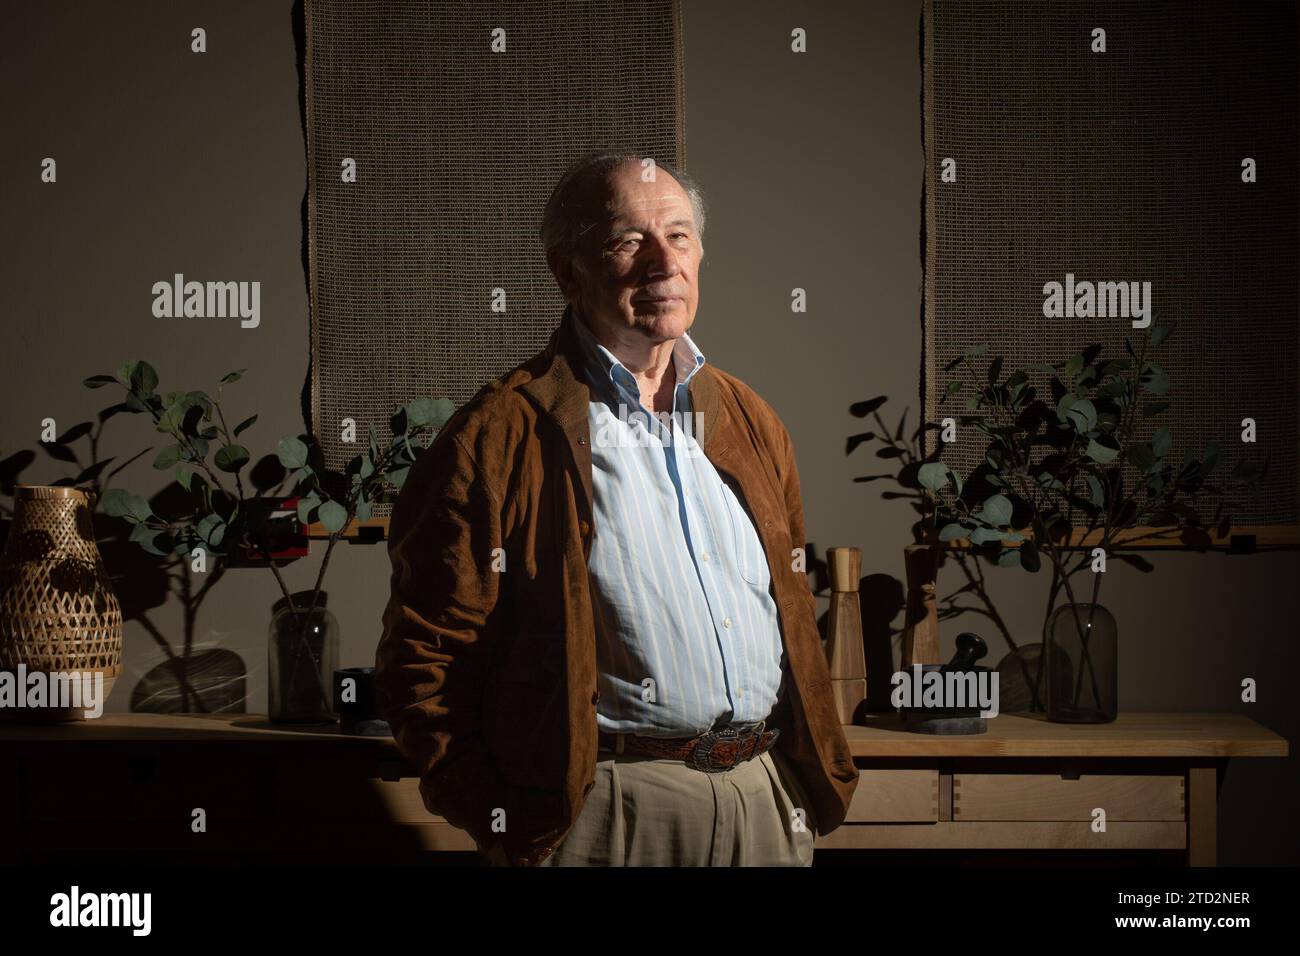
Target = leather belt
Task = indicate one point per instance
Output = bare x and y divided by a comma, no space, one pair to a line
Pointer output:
714,752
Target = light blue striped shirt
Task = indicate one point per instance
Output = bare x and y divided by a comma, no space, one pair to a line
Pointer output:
687,634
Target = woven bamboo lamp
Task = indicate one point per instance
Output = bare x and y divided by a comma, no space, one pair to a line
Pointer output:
58,611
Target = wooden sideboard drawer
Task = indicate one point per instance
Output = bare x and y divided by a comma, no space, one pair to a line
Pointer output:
1045,796
895,796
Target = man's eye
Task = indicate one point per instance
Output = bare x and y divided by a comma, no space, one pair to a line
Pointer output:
627,242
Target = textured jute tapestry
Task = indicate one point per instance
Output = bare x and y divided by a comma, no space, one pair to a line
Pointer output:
1123,165
457,148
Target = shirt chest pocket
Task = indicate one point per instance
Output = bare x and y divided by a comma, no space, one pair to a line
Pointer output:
746,547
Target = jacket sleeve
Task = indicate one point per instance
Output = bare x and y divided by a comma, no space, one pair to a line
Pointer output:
790,489
437,630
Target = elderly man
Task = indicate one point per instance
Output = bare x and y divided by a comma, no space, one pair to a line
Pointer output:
600,647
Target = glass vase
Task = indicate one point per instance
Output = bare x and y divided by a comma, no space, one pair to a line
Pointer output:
1082,657
302,654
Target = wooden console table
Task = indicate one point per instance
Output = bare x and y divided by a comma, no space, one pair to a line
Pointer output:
129,784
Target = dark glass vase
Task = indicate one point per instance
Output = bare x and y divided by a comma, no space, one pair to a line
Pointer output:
301,662
1081,664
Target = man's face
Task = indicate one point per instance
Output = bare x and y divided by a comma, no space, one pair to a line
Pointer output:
636,270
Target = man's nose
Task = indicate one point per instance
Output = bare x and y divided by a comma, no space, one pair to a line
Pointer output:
663,258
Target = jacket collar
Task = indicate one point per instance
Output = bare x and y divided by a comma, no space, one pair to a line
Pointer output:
559,388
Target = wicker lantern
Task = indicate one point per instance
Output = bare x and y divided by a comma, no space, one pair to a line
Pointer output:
57,607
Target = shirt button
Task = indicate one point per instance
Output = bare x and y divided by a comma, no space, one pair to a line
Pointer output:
726,622
704,556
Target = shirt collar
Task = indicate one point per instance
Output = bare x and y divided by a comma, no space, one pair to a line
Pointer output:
607,373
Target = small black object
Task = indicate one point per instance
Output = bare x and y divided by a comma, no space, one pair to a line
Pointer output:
369,534
1241,544
358,716
970,648
951,719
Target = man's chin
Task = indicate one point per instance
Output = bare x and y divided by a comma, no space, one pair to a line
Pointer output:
661,326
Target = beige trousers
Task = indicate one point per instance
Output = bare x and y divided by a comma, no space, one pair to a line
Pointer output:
646,811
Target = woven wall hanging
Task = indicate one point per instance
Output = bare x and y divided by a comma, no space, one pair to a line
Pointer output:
1123,165
457,148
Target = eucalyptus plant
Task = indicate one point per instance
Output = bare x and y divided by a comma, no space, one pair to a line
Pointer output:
1071,459
224,515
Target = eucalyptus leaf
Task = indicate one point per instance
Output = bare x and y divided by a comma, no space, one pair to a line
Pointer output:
292,452
952,532
116,502
143,378
996,510
443,409
211,528
147,538
420,411
244,425
1087,410
1102,449
333,516
305,506
231,457
168,457
933,475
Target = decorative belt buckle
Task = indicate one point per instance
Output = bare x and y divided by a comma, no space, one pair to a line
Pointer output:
702,755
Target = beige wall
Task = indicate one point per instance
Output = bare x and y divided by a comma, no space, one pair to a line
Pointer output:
170,162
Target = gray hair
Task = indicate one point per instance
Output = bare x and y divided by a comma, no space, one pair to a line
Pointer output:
566,216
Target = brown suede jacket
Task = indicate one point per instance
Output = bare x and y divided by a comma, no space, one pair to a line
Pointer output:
486,670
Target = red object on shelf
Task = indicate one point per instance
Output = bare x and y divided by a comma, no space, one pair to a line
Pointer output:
288,536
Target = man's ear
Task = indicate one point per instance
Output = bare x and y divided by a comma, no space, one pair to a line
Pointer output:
562,268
